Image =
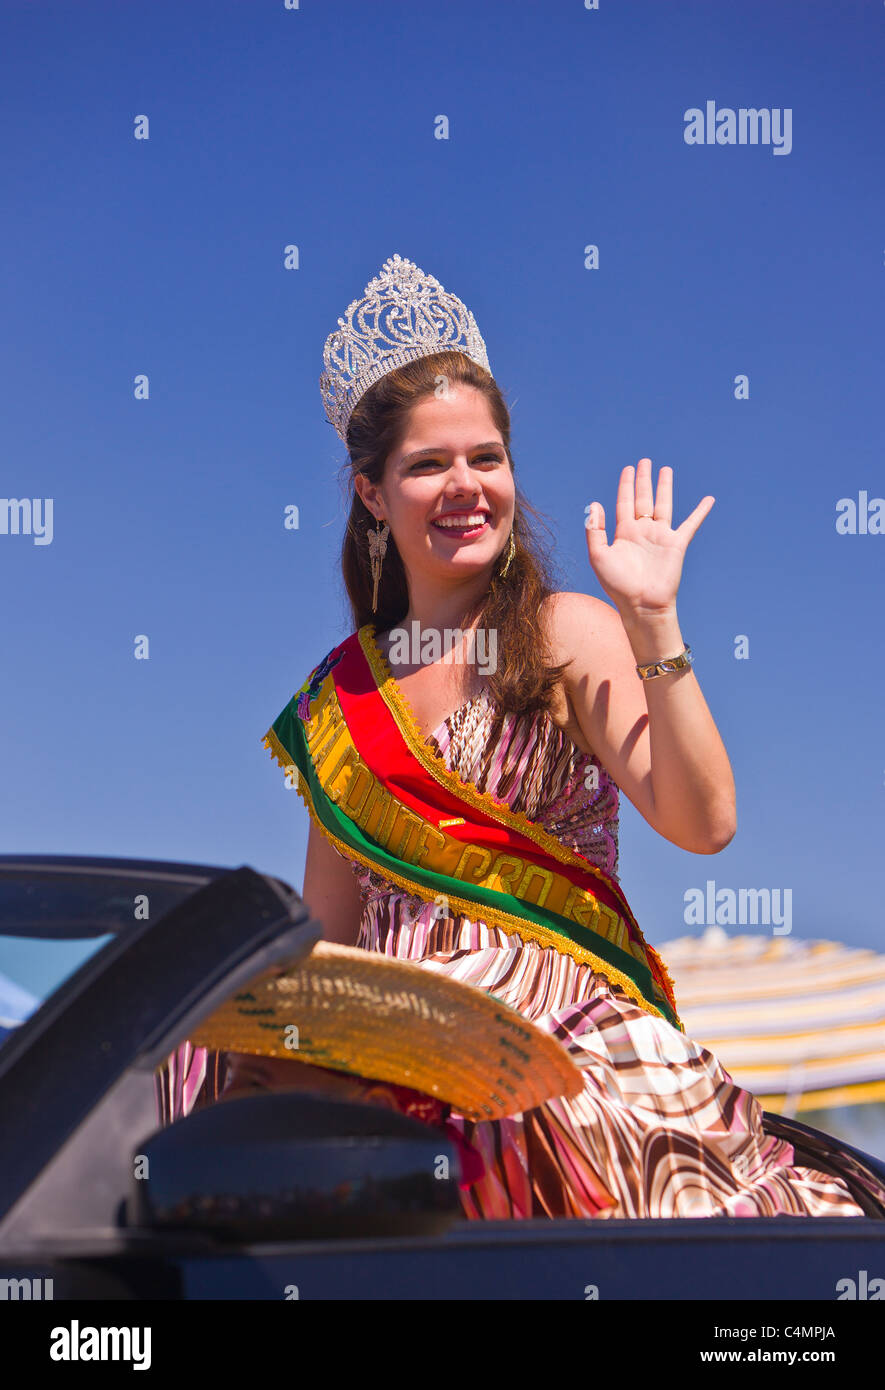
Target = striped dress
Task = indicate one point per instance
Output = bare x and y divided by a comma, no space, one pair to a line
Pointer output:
659,1129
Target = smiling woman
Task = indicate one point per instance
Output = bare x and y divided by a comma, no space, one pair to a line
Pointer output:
480,818
418,488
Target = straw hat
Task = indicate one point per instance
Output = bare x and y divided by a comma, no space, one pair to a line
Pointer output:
356,1011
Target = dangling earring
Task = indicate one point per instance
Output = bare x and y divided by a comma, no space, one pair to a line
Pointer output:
377,551
510,554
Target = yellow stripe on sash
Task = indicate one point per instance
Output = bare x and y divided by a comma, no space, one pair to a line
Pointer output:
407,835
494,916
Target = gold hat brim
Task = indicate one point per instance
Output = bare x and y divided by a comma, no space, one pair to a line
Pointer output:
356,1011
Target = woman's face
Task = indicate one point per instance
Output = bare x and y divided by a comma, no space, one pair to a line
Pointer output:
463,473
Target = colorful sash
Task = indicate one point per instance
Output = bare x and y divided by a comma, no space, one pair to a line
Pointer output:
384,797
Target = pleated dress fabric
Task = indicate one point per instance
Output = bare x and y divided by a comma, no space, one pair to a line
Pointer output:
659,1129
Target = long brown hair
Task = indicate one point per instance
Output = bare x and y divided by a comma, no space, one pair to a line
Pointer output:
524,680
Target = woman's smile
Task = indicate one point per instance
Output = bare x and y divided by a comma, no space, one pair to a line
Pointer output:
462,525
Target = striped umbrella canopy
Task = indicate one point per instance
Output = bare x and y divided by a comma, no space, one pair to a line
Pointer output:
800,1024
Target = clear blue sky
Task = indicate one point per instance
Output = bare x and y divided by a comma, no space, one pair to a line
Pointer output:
315,127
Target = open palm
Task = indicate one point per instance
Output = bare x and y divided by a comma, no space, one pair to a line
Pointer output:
641,568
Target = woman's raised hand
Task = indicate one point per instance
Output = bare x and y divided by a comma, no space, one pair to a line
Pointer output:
641,568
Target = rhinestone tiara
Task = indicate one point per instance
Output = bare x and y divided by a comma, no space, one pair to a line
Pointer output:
403,314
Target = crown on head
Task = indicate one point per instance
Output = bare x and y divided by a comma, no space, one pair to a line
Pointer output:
403,314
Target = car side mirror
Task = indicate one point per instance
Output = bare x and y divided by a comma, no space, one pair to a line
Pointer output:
282,1165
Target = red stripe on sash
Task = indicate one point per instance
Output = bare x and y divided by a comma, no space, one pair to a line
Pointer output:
384,750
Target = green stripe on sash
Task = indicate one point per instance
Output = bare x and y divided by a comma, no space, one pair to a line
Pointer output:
289,730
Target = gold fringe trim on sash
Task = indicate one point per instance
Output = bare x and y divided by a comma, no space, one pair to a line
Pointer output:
493,916
432,761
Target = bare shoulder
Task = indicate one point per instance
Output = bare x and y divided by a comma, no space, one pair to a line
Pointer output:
573,620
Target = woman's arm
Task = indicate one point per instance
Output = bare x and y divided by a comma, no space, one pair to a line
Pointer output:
331,890
656,738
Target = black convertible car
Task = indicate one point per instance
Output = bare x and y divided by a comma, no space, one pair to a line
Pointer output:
280,1195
